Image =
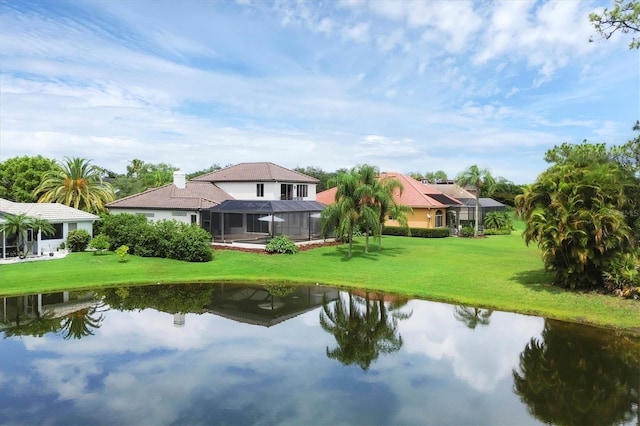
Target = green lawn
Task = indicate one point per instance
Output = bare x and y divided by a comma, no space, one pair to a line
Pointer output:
497,272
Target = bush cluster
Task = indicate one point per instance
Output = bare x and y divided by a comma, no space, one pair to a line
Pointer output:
416,232
467,231
166,238
78,240
281,244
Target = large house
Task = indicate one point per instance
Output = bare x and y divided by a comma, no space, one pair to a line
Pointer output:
63,218
247,201
434,206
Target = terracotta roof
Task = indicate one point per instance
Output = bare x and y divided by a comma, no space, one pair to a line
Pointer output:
53,212
196,195
256,172
417,194
327,196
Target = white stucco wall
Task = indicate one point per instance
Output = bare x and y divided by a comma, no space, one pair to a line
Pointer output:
52,245
247,190
157,215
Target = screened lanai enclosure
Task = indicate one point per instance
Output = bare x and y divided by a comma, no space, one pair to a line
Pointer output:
245,221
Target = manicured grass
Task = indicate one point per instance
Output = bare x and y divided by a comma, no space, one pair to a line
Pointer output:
497,272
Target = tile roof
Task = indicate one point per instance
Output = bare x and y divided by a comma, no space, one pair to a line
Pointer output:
196,195
416,194
255,172
52,212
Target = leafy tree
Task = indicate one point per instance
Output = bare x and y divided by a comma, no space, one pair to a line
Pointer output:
123,186
19,176
483,183
506,191
431,177
76,183
100,243
574,212
623,17
212,168
319,174
135,167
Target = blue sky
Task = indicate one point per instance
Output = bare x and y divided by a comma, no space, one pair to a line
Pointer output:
403,85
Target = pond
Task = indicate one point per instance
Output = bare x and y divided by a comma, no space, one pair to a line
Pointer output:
277,354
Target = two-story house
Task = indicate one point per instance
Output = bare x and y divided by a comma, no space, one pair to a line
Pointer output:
247,201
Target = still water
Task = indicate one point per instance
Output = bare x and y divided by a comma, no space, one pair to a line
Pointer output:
229,354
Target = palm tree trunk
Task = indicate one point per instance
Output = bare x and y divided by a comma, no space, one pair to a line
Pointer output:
350,240
366,241
477,218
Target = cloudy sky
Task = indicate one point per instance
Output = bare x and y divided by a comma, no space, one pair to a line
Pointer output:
403,85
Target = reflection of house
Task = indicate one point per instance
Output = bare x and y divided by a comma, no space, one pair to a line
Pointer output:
63,218
267,305
206,200
54,305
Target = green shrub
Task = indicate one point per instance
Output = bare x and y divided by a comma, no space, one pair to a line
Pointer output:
281,244
190,243
416,232
100,243
467,231
166,238
78,240
62,246
123,253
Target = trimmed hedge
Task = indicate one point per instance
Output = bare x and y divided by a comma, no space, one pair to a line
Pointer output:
416,232
497,231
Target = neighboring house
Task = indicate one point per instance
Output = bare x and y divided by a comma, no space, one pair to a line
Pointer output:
430,206
205,200
63,218
468,200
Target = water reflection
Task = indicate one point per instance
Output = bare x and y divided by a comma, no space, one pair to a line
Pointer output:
572,376
272,354
362,327
472,316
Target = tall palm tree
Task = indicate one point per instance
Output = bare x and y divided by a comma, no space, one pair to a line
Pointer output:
18,225
482,181
76,183
344,214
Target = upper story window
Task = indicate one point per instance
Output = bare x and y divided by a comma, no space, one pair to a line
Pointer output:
302,191
286,191
260,190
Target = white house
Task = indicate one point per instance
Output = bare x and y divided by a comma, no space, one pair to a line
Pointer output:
63,218
192,201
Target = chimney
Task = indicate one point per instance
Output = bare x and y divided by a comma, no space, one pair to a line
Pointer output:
180,179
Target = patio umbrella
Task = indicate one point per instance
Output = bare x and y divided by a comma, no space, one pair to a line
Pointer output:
271,218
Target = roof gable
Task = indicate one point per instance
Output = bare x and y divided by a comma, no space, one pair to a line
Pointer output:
256,172
416,194
195,196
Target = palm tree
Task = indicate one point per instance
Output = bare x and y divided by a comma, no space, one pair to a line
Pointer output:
343,216
482,181
76,183
18,225
81,323
472,317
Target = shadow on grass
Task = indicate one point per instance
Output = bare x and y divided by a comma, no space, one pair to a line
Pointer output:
537,279
342,252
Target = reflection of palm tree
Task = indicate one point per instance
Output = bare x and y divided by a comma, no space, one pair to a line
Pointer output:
361,335
38,325
472,317
574,375
81,323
